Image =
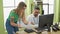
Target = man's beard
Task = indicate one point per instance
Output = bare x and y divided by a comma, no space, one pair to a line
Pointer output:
35,15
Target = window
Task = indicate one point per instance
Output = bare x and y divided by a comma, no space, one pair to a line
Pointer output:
48,6
8,5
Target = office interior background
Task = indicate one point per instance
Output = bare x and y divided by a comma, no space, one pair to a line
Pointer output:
49,7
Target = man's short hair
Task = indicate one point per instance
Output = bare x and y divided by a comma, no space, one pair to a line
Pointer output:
36,7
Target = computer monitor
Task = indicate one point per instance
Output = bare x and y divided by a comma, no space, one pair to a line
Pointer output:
45,20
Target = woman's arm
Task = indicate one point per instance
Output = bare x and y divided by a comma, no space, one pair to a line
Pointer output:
14,24
24,20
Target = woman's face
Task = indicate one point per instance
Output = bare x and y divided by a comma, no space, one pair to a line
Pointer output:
22,9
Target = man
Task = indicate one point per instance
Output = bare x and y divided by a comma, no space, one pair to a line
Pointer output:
34,17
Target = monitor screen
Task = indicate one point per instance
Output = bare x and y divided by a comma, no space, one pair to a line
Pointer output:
45,20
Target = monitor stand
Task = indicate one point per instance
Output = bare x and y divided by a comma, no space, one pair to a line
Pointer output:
40,30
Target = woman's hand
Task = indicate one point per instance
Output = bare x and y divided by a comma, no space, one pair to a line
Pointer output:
32,23
19,26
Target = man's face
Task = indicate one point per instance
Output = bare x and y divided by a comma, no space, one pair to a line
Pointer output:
36,12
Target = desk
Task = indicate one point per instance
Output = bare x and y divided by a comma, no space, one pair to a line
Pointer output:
45,32
21,31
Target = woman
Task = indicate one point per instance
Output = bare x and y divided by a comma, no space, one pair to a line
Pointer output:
11,23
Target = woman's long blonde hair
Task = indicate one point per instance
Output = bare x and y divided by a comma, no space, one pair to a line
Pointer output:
19,7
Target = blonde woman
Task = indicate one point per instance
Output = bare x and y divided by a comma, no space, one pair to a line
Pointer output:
15,14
